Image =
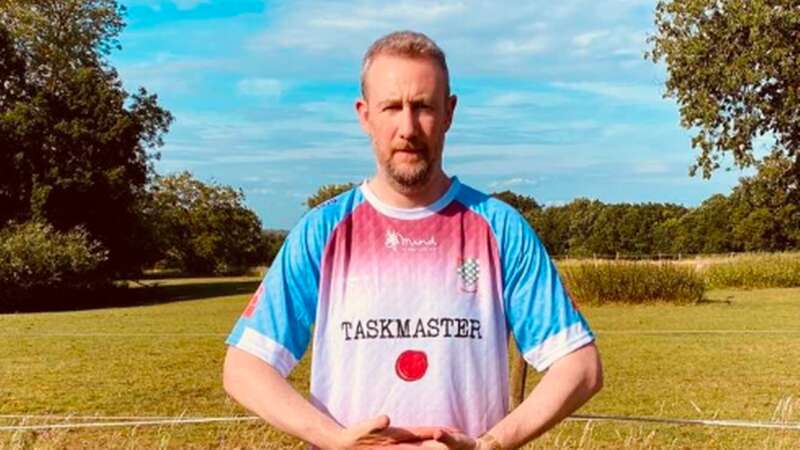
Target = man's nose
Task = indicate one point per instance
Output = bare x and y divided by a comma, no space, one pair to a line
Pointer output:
408,123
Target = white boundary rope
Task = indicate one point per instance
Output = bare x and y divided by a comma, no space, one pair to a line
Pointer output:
711,423
73,417
604,332
698,331
2,335
196,420
127,423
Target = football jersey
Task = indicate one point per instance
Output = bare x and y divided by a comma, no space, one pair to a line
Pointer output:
409,310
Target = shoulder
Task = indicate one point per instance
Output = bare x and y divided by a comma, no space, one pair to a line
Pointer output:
501,217
320,221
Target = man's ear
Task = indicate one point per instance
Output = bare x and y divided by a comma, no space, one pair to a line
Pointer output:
450,110
362,110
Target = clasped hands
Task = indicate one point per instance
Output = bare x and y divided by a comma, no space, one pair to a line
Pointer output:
376,433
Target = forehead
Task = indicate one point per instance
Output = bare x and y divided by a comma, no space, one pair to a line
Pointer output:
391,76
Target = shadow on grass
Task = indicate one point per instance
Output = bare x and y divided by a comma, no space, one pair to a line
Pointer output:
728,300
151,293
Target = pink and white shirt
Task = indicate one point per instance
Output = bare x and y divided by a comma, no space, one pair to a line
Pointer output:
410,309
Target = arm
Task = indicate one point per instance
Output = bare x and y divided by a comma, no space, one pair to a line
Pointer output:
261,389
569,383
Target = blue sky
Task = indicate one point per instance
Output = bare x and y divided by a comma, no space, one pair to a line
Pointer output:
555,98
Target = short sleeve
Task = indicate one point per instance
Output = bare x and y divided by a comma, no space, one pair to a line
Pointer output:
276,324
543,318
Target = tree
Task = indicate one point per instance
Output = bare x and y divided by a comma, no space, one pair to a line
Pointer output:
203,228
705,229
734,68
765,217
77,147
272,242
327,192
57,37
521,203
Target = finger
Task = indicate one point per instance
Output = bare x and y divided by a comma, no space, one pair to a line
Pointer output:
455,440
419,432
445,437
371,426
434,445
379,423
429,445
400,434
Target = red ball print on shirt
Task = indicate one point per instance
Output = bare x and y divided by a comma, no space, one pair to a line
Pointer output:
411,365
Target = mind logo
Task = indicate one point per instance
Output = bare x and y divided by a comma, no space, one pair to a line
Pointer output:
392,240
469,271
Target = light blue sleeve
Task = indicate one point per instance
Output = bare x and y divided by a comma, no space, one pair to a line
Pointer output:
539,312
276,324
545,322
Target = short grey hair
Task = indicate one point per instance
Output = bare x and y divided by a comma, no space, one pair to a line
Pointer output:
410,44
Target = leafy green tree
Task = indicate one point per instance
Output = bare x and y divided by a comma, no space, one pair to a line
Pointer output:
77,147
327,192
764,216
12,90
41,267
706,229
203,228
521,203
272,242
552,225
734,68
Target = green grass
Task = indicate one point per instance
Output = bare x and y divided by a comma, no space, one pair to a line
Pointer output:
600,282
755,271
744,367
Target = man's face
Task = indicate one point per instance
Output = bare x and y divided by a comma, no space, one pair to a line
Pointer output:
406,114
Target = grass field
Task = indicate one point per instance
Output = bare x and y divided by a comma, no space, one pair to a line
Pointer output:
734,356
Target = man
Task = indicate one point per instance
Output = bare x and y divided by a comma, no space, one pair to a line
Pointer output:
412,282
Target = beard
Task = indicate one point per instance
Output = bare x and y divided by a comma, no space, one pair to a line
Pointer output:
410,175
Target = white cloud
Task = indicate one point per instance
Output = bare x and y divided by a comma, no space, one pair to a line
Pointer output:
184,5
261,87
156,5
626,92
516,181
586,39
510,47
526,98
652,168
167,72
579,39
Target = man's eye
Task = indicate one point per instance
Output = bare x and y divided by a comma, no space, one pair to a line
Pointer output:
391,107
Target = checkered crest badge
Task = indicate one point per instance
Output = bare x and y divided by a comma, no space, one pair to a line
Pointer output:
469,272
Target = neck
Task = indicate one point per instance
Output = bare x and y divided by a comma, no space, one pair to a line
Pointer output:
401,197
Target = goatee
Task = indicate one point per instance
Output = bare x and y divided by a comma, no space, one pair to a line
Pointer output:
412,178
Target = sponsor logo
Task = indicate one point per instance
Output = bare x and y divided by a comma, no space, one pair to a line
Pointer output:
396,241
469,271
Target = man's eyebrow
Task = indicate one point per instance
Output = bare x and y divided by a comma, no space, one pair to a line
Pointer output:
389,101
420,99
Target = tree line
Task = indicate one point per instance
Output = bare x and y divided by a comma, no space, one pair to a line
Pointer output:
759,215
